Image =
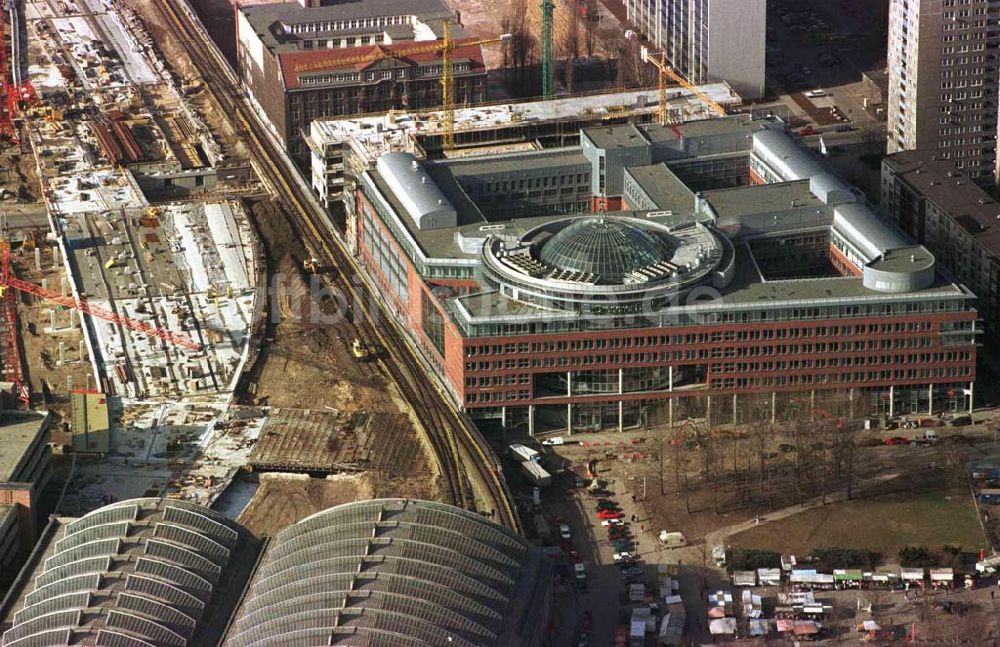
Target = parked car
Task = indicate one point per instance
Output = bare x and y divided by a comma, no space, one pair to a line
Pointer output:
962,421
621,557
844,128
612,522
587,623
896,440
815,94
609,514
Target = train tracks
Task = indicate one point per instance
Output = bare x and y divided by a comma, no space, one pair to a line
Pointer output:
454,439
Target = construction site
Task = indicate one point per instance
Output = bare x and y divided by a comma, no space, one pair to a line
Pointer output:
136,302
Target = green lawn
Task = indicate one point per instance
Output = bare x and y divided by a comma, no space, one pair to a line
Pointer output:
884,524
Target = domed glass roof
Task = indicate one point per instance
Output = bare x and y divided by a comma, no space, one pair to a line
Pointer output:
607,248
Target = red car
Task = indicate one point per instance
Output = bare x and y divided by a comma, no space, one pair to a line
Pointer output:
587,624
609,514
896,440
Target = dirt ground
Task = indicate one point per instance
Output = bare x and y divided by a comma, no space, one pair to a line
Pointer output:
18,173
40,349
284,499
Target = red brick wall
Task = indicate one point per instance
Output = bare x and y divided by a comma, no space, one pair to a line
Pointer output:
782,351
21,494
842,263
611,203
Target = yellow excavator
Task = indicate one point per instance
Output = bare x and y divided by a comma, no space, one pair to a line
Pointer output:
361,350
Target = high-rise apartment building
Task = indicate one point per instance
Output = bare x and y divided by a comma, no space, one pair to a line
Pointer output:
708,40
943,81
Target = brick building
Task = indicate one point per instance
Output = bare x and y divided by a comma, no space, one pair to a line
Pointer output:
25,470
346,58
939,205
650,272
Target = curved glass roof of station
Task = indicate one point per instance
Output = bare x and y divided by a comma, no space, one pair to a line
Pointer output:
609,250
135,573
393,572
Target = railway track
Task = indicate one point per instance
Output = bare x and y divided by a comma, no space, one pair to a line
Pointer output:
455,441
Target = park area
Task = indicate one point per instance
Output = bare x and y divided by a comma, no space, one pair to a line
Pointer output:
884,524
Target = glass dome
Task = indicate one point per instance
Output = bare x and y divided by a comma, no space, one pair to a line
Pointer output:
608,249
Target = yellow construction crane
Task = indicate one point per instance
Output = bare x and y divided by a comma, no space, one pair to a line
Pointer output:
667,73
443,47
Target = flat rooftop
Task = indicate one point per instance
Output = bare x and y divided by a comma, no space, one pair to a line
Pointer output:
18,433
512,114
626,135
953,192
663,187
904,259
762,198
747,289
266,19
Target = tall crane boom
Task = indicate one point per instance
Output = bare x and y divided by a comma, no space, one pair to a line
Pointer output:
666,72
7,281
444,48
548,52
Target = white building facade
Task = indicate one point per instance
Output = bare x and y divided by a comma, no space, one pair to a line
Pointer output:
708,40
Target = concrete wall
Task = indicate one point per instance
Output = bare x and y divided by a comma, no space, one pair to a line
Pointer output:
737,30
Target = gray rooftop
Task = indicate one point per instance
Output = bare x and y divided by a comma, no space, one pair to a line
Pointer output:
266,18
904,259
18,434
747,289
761,198
619,136
514,162
663,187
626,135
951,190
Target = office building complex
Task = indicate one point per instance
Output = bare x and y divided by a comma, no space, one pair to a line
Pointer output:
346,58
943,81
937,204
708,40
695,266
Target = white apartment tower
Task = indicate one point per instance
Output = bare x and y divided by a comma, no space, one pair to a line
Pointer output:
708,40
943,81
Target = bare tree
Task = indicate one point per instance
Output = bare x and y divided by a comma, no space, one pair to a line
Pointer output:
571,49
590,27
519,54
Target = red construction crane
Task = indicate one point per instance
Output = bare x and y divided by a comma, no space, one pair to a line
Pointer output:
16,91
7,280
